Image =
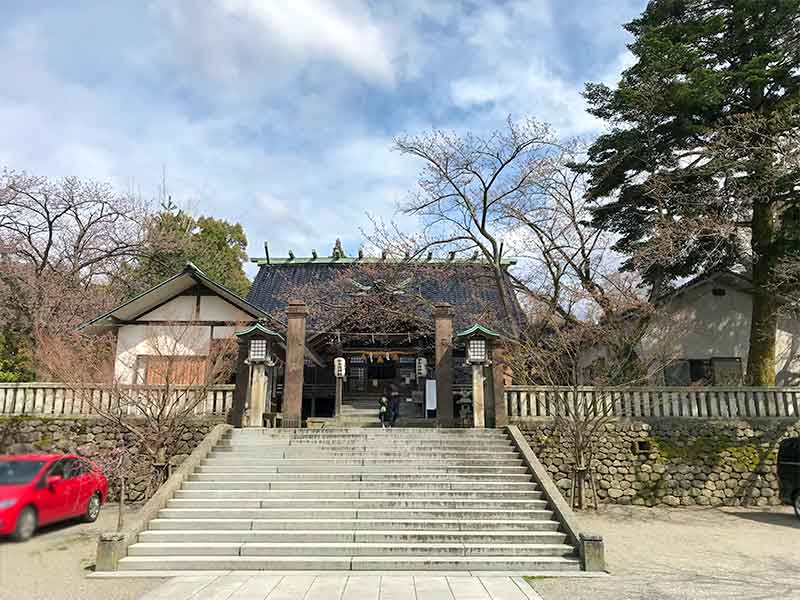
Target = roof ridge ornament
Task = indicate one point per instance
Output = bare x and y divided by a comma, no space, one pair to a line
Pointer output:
337,249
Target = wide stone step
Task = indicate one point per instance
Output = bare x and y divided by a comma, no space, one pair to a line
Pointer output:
375,440
295,452
417,446
358,432
357,499
331,536
356,563
344,549
337,468
315,504
489,514
417,462
397,486
340,433
390,524
499,478
262,494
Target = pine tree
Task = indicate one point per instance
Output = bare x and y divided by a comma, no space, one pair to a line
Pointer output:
703,67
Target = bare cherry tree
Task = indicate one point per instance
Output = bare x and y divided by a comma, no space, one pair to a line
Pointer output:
607,351
150,396
466,181
60,242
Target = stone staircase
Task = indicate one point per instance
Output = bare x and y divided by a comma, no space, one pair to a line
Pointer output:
357,499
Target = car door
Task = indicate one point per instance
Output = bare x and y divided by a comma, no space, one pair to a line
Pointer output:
71,488
86,485
49,499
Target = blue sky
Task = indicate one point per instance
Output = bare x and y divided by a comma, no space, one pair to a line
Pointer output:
280,114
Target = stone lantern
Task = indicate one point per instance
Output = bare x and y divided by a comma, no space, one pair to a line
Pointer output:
260,346
477,340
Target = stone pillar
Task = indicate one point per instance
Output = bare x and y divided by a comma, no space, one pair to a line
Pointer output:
478,416
498,386
258,396
337,409
296,314
235,416
443,318
592,553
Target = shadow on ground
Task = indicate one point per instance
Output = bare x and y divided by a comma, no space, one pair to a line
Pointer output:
770,518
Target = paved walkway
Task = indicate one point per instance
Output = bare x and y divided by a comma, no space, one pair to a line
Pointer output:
254,586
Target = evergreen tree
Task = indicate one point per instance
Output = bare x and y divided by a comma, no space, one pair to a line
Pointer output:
174,238
702,68
15,365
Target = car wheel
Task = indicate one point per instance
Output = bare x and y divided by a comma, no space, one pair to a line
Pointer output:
26,524
797,504
92,508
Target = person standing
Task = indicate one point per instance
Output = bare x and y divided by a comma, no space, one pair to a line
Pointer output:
394,404
383,409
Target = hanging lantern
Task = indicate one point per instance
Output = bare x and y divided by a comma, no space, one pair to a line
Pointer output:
422,367
339,367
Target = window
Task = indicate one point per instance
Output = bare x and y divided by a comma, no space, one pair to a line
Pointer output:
727,371
357,379
171,370
17,472
677,373
72,468
703,371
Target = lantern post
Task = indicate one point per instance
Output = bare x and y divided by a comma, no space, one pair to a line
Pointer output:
340,370
261,344
477,339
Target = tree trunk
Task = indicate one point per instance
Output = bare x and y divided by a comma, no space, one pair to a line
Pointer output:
121,506
505,300
764,316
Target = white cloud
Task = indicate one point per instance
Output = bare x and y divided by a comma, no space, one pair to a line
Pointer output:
233,39
529,89
277,114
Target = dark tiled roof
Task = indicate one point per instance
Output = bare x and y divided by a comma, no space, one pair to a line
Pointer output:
469,287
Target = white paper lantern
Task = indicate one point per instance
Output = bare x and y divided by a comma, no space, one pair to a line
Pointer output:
339,367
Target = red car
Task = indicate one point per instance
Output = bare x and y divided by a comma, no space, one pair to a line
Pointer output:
37,489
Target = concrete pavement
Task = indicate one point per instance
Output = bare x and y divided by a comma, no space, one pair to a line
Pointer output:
255,586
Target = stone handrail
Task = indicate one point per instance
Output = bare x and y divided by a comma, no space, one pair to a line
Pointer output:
113,546
590,547
56,399
531,402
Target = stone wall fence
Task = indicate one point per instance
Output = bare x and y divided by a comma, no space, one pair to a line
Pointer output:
673,462
93,437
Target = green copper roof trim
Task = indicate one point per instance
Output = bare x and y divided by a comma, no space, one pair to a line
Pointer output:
261,329
372,260
477,328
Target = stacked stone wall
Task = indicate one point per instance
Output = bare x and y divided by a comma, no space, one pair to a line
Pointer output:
673,462
96,438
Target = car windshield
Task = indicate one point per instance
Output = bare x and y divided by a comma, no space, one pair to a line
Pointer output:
16,472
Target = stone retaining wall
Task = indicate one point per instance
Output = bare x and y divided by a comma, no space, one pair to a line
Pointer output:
93,437
674,462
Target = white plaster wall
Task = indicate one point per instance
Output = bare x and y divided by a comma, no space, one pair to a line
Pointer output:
143,340
699,325
180,308
214,308
787,352
180,339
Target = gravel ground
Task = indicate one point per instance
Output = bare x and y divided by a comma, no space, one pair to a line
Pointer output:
53,565
683,554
